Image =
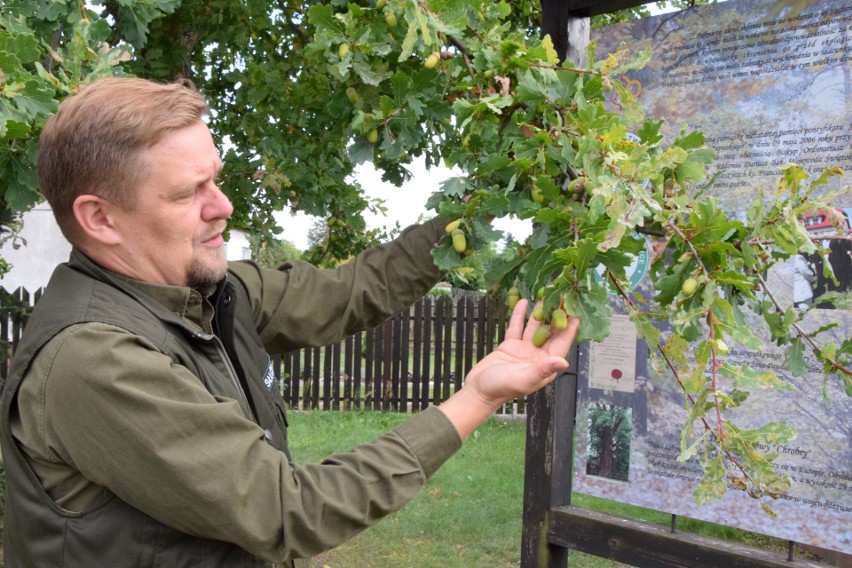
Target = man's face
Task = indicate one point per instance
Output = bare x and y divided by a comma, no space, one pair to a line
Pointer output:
174,235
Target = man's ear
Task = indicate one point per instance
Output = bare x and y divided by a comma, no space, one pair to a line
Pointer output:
96,218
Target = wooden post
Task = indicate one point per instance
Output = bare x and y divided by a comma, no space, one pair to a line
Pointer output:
578,40
548,462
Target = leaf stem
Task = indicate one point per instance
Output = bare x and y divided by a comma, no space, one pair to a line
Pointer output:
714,369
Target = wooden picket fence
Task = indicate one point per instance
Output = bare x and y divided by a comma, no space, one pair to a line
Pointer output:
415,359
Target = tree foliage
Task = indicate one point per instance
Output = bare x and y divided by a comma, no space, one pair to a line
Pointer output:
300,92
271,252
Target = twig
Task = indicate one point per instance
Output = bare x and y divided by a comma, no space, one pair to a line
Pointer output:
692,248
714,368
296,29
563,68
459,44
801,333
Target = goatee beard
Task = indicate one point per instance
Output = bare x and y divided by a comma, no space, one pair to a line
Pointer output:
203,276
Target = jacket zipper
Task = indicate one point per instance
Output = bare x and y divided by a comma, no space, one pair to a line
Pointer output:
223,354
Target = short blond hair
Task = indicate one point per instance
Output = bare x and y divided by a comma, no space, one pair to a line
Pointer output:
92,144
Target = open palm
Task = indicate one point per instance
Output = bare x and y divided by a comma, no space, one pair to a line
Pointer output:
517,367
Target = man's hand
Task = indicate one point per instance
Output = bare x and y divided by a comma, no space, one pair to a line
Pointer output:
516,368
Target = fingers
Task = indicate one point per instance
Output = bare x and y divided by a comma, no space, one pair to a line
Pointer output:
542,372
532,325
552,365
560,342
516,321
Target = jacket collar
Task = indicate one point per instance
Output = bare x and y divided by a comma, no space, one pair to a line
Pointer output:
171,303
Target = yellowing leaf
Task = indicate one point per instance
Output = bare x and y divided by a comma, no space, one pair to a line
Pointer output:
547,44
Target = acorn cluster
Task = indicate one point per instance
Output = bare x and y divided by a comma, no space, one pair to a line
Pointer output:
557,319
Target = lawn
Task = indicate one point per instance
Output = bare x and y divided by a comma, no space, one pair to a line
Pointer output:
469,514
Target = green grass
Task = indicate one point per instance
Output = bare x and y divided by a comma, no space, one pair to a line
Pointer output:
457,516
469,514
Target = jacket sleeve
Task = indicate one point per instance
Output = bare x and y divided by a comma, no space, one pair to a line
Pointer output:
299,305
147,430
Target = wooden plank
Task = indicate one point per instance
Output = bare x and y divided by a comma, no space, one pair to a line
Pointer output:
535,552
357,361
427,370
316,373
307,380
579,34
547,469
392,383
289,389
417,349
336,375
460,318
276,360
368,369
348,371
378,378
447,370
367,362
437,379
326,377
590,8
405,376
387,365
652,546
483,328
469,335
18,322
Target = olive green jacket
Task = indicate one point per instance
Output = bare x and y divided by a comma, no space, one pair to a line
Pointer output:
141,425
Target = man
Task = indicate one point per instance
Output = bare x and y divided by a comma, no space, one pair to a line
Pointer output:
140,422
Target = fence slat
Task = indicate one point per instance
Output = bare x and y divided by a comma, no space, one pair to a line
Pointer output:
427,372
404,366
395,364
437,382
467,343
416,352
447,371
357,362
316,374
378,382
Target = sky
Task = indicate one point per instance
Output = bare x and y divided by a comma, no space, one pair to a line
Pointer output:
405,204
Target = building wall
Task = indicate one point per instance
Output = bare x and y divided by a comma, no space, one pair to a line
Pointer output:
42,247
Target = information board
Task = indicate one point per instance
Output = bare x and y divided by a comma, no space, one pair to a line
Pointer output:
768,82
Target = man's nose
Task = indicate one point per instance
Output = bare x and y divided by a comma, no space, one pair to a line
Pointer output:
218,205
